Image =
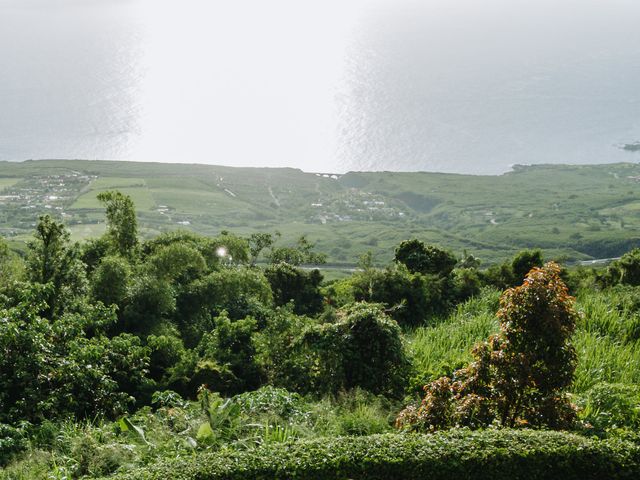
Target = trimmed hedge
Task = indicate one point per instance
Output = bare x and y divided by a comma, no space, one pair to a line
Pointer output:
455,454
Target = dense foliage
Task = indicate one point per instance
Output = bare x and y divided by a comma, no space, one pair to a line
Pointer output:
118,352
490,455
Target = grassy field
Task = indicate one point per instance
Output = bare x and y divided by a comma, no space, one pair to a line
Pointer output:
572,212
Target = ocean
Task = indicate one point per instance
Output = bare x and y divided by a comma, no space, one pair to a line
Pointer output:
402,85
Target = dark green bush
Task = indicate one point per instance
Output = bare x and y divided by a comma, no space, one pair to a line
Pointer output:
12,441
276,349
51,369
110,281
239,291
230,344
629,266
290,283
411,298
426,259
362,348
457,454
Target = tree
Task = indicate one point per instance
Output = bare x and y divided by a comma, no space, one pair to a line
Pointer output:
518,376
177,263
523,262
240,291
301,253
629,265
11,266
52,260
361,349
511,274
425,259
289,283
230,249
94,250
499,276
411,298
151,302
258,242
47,250
122,226
110,282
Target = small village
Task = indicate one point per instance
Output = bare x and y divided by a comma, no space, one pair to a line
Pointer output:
53,194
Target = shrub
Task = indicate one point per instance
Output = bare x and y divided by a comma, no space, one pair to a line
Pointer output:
523,262
426,259
150,301
466,283
412,298
239,291
12,441
51,369
480,455
361,413
277,350
363,348
290,283
98,376
629,266
271,400
230,345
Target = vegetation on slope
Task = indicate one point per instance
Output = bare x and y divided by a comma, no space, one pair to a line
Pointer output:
120,354
575,212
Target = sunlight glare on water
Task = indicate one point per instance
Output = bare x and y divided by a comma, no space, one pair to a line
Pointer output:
441,85
247,83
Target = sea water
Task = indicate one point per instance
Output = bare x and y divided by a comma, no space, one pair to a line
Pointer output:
456,85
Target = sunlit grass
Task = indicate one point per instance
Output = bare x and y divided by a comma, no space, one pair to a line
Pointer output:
441,349
603,359
605,341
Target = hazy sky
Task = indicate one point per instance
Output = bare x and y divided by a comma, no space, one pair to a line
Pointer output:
456,85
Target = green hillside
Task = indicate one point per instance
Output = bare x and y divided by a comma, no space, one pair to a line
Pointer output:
576,212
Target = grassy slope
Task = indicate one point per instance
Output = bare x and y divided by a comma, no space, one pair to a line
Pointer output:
580,212
607,340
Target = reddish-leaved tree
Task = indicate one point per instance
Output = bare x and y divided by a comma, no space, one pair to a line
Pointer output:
518,376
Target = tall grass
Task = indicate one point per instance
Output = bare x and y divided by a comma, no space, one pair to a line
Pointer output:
439,350
603,359
606,340
612,313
